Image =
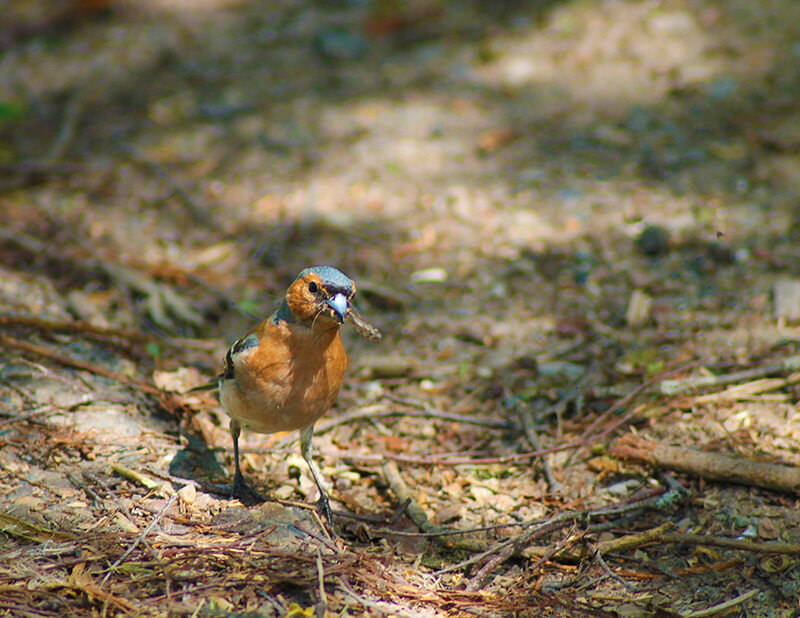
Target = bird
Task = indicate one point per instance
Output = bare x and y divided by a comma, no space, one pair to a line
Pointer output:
286,372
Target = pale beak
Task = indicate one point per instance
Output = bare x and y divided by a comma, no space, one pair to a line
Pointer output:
339,305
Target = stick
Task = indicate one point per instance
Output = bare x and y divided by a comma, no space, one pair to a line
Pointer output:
749,389
140,538
627,398
400,490
16,175
14,417
447,416
139,478
713,466
598,556
430,413
675,387
526,417
66,132
384,608
576,392
157,297
634,541
75,363
323,598
478,581
717,541
418,516
73,327
722,607
552,524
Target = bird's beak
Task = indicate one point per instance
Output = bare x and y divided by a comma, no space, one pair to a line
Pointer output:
339,305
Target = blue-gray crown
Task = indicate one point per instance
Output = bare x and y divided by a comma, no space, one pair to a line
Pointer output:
332,279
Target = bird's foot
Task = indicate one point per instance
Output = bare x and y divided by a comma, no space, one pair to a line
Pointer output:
324,509
246,494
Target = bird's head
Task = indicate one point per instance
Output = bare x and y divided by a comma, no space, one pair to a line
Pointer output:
320,293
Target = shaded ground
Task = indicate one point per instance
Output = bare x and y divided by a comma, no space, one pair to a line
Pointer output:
484,171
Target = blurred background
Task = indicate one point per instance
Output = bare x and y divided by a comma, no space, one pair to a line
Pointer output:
522,191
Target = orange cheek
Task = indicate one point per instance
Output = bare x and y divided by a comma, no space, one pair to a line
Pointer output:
300,302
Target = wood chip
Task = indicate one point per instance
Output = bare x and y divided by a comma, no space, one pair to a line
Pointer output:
638,308
787,300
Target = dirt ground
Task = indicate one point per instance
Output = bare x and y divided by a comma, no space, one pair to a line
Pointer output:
575,224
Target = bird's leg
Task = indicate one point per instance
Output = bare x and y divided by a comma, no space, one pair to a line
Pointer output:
241,489
307,451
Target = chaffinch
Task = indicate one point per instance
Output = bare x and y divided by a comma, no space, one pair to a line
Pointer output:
286,372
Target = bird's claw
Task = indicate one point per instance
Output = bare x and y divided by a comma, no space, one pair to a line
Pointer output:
324,509
246,494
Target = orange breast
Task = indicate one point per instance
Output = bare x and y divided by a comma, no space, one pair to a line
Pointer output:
288,381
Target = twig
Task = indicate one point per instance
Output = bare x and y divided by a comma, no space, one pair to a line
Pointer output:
708,465
41,168
554,523
526,418
627,398
448,531
428,413
93,478
33,531
126,511
140,538
401,510
716,541
13,416
676,387
400,490
73,327
479,580
662,535
598,556
446,416
558,548
75,363
448,459
158,298
66,131
541,527
577,391
199,607
383,607
323,598
418,516
722,607
140,479
26,173
749,389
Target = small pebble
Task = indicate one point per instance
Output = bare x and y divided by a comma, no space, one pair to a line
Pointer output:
623,487
204,501
188,494
427,385
429,275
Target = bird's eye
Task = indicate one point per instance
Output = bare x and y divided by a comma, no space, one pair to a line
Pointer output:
313,287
